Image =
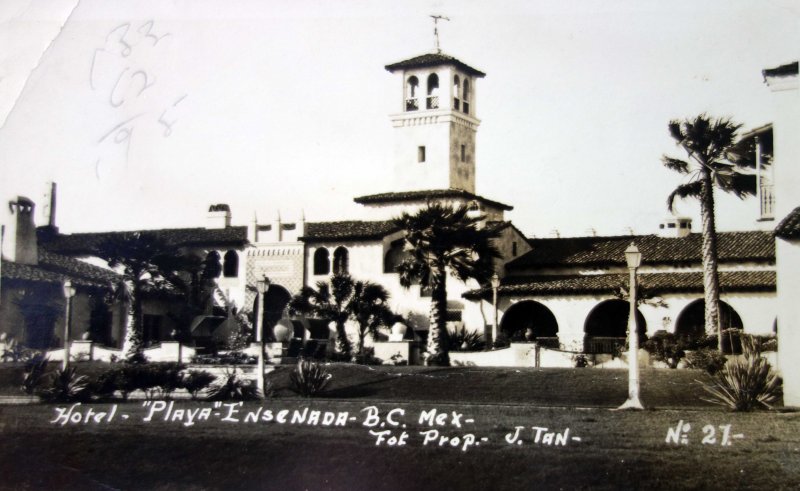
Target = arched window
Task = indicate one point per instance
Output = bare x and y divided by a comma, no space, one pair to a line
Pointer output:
433,91
322,261
456,93
394,256
411,94
340,261
466,96
230,268
212,267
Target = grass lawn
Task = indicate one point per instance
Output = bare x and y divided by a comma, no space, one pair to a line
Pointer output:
616,449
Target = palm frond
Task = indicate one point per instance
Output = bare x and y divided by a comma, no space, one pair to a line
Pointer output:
675,164
688,190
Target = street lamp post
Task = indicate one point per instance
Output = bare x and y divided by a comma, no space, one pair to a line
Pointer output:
262,286
634,258
69,292
495,286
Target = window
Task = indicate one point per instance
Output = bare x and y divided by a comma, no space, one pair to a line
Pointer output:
394,256
463,153
433,91
230,268
212,267
465,96
411,94
151,329
421,153
322,261
670,225
514,249
456,93
340,261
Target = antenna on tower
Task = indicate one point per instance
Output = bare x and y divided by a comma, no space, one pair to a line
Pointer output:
436,19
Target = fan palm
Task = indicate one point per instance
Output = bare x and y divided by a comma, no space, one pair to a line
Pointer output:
715,159
343,299
441,240
328,301
368,307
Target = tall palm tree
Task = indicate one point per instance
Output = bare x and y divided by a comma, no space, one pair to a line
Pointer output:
146,263
715,159
443,239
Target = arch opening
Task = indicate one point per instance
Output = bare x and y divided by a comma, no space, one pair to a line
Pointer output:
607,325
529,320
691,325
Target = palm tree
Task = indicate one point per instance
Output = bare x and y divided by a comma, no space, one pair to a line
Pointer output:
343,299
369,309
715,159
329,301
444,239
146,263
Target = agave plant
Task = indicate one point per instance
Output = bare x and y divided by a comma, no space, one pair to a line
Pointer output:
66,386
234,388
309,378
747,383
34,372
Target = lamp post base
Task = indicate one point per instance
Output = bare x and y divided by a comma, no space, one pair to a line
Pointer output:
634,403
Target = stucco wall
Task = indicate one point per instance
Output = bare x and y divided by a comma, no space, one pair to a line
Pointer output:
788,306
757,311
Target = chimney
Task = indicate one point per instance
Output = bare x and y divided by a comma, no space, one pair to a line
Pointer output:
219,216
675,227
19,238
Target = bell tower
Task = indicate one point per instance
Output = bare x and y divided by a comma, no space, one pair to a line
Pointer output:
435,127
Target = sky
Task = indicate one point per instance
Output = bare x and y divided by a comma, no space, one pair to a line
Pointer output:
145,113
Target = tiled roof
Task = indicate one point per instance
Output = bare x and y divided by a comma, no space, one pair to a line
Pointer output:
654,283
755,246
781,71
86,243
348,230
789,228
428,195
433,59
54,268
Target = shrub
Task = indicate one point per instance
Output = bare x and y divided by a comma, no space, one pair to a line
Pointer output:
34,371
707,359
747,383
309,378
233,388
197,380
167,377
230,358
367,357
463,340
581,360
66,386
666,347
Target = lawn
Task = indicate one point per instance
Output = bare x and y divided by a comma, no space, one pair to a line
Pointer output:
616,449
